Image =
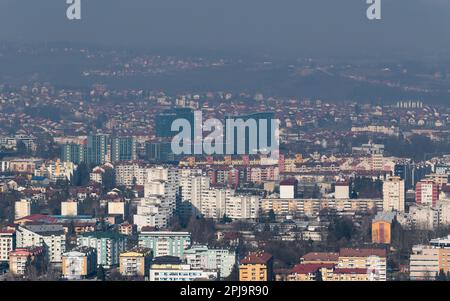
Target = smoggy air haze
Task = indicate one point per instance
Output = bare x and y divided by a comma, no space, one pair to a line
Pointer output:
320,27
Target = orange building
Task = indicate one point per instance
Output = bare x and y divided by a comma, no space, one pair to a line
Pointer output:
381,228
256,266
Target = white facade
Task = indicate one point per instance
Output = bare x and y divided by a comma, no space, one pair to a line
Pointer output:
150,214
7,243
394,194
51,237
342,191
117,208
243,207
23,208
423,217
180,272
165,243
201,257
287,191
69,208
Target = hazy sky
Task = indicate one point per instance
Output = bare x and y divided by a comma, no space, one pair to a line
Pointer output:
283,26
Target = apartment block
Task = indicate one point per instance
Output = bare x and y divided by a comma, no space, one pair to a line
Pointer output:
256,266
79,263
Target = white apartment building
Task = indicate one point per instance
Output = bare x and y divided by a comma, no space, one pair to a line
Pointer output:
169,268
214,202
7,243
163,183
200,257
150,213
192,185
394,194
165,243
128,174
243,207
51,237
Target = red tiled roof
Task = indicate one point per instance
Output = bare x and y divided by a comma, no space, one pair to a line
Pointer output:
321,256
37,218
310,268
350,271
257,258
354,252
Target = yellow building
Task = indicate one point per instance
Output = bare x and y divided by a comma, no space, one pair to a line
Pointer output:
351,274
311,272
135,262
256,266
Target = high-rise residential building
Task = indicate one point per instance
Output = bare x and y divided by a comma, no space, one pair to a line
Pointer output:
243,206
50,236
164,243
212,259
135,262
256,266
192,185
214,202
97,149
150,213
79,263
7,243
163,183
427,193
75,153
394,194
109,245
123,149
